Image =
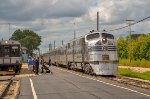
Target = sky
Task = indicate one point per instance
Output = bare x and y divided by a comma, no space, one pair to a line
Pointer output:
59,19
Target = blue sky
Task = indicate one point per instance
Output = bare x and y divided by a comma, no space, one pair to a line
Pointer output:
54,19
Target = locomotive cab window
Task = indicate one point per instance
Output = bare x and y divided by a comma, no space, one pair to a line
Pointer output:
92,36
108,36
6,51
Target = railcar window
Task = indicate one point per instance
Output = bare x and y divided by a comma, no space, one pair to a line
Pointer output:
68,45
71,45
92,36
109,36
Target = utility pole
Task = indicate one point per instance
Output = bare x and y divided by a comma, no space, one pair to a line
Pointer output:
74,34
50,47
97,21
130,22
74,42
62,42
74,31
54,44
9,30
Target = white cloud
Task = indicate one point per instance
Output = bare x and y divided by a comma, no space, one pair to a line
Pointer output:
117,11
54,19
32,9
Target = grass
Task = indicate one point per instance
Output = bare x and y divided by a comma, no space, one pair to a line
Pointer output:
130,73
142,63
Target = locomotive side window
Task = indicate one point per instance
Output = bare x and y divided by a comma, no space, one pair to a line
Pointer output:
15,51
92,36
109,36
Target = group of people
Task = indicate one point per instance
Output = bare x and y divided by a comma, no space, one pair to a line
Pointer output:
33,65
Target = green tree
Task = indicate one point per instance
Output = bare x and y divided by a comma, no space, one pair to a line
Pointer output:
122,48
140,44
135,50
145,47
27,38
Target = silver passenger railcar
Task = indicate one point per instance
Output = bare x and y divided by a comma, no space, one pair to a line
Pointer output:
94,53
10,56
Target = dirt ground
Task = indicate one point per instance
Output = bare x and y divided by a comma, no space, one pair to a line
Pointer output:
24,65
136,69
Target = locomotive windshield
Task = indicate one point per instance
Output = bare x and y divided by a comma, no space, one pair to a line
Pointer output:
92,36
109,36
7,51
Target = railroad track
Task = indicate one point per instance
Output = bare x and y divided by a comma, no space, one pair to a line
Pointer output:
9,87
7,82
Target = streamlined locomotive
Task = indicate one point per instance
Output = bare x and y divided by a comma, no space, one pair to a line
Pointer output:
94,53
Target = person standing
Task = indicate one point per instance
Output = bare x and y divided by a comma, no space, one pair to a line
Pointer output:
49,62
30,64
37,66
42,63
34,68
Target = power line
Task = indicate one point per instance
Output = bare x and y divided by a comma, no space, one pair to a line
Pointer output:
141,20
130,24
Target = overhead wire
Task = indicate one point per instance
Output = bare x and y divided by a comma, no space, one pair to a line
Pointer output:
130,24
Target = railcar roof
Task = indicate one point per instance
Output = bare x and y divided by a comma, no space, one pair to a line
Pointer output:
75,39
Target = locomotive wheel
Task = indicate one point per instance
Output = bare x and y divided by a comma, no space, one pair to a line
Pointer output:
88,69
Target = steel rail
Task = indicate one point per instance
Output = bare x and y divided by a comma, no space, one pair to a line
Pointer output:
4,91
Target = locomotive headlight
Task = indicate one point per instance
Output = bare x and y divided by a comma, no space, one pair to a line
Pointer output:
104,40
6,42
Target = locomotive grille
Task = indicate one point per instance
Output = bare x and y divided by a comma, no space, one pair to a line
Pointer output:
112,48
103,48
96,48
